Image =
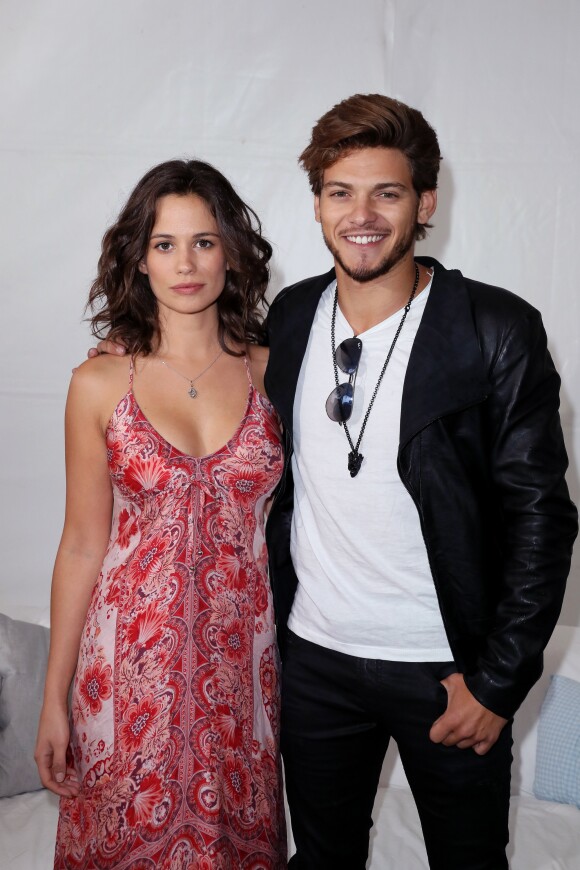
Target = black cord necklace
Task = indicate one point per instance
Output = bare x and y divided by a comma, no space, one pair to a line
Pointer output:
355,458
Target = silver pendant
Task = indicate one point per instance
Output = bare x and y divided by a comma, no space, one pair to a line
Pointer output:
192,392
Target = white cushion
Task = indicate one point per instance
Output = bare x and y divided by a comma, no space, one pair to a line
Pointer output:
23,657
562,656
558,753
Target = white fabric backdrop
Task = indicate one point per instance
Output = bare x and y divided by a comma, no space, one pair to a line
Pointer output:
93,94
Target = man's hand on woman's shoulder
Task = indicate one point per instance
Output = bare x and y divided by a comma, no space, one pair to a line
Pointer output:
106,346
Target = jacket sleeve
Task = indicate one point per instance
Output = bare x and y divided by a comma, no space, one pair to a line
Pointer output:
538,519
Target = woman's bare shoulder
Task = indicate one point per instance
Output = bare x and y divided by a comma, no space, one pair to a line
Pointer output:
99,383
102,369
258,353
258,360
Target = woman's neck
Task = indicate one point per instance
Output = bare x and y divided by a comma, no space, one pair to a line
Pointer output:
189,337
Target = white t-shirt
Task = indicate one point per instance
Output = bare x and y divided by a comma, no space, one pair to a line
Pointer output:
365,586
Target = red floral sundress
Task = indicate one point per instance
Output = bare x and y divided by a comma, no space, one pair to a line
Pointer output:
175,703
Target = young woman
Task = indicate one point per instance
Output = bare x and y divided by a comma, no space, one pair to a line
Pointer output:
161,606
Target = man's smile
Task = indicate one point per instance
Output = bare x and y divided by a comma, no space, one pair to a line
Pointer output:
365,240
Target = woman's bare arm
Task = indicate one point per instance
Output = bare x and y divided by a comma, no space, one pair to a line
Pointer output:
78,561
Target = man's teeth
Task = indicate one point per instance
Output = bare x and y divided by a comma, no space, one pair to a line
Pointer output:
364,240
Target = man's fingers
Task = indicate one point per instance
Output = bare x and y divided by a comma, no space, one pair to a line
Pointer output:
439,730
106,346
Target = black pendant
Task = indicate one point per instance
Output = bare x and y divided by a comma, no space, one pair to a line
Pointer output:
354,462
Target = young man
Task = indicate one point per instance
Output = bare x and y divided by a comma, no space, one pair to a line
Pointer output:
421,538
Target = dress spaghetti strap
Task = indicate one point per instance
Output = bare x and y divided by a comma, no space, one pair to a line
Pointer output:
248,371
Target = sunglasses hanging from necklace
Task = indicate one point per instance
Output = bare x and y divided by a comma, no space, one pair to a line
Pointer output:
347,357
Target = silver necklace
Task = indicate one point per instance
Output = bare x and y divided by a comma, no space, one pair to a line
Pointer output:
354,457
192,392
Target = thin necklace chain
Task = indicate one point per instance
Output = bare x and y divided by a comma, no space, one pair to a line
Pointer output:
192,392
355,458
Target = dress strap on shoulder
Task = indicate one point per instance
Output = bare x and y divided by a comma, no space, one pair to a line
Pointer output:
131,371
248,370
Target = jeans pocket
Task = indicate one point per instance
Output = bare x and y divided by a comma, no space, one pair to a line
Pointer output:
434,672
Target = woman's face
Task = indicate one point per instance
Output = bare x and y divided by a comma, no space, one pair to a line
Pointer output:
185,260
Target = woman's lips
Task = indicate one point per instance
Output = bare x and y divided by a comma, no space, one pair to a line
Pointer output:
186,288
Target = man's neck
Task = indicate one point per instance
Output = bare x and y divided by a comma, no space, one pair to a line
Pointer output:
366,304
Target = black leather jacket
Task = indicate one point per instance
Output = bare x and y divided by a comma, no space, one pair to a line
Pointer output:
481,454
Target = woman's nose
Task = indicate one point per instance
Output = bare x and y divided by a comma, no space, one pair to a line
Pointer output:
185,261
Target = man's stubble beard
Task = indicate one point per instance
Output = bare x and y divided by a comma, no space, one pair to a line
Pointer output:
364,275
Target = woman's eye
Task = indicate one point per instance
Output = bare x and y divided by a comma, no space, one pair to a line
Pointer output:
163,246
204,243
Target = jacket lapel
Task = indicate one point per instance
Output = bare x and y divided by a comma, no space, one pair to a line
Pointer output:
445,371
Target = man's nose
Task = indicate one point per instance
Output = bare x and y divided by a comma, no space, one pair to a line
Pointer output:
363,212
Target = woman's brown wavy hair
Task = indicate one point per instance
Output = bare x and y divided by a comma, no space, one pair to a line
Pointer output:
123,305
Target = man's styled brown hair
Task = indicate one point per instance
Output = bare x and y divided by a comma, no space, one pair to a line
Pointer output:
374,121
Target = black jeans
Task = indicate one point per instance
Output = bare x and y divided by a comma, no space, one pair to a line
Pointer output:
338,714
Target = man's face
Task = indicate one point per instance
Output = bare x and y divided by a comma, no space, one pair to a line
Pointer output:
368,210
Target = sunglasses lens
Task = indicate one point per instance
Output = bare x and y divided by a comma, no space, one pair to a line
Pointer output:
348,355
339,403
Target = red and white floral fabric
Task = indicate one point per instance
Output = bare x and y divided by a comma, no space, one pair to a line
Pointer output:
175,705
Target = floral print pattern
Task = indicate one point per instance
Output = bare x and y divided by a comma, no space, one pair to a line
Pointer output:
175,705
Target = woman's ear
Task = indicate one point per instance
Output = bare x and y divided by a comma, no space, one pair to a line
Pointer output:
142,266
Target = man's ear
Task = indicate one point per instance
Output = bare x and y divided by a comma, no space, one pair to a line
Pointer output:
427,206
142,266
317,208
